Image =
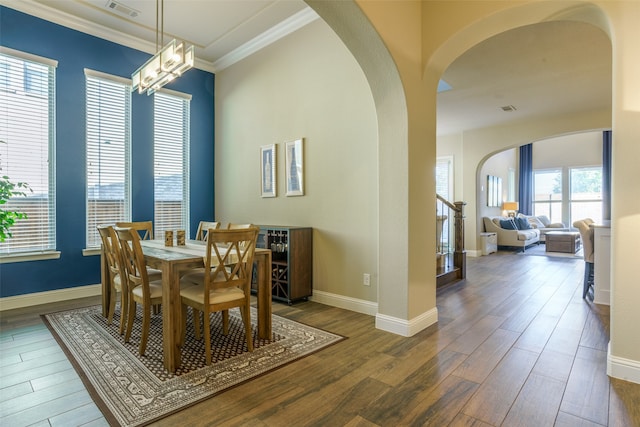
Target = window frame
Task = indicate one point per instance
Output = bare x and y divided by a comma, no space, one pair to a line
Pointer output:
116,131
551,202
572,201
159,120
566,201
45,242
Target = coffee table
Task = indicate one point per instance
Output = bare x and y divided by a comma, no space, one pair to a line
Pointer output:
563,241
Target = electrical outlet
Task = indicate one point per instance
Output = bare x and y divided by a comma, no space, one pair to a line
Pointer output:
366,279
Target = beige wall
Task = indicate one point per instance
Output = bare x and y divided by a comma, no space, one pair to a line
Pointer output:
305,85
578,149
497,165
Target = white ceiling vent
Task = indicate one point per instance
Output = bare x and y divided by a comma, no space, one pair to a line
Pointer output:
508,108
122,9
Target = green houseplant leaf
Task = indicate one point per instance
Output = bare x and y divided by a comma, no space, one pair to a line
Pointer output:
9,189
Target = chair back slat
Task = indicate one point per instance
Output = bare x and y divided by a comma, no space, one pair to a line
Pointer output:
203,229
133,260
229,259
111,248
233,226
144,228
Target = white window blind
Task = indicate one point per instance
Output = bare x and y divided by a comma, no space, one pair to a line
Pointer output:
171,163
27,132
108,115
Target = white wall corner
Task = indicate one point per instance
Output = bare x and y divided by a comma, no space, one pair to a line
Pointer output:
407,328
348,303
621,368
37,298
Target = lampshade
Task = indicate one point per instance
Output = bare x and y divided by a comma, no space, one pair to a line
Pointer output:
510,206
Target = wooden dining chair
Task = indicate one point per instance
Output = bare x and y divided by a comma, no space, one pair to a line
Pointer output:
113,258
204,227
233,226
141,290
144,228
145,231
222,288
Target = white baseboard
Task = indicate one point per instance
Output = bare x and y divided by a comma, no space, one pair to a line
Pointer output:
348,303
407,328
401,327
474,253
621,368
37,298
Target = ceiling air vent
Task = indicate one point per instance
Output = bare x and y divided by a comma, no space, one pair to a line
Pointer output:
122,9
508,108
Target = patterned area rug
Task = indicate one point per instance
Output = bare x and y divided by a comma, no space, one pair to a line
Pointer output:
133,390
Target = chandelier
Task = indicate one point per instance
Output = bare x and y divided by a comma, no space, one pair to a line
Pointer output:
167,64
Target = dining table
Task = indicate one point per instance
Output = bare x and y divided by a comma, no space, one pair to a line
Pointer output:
173,261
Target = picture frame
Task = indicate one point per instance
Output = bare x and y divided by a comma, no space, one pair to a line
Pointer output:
294,167
268,170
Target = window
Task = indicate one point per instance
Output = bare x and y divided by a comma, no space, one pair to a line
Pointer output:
171,162
586,193
27,129
547,191
568,194
444,187
108,104
444,173
35,80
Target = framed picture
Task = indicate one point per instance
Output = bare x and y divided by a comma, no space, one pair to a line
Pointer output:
294,166
268,170
494,191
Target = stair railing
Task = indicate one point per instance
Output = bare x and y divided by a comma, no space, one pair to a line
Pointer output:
445,234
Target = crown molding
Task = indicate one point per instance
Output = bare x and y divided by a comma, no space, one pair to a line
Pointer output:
56,16
270,36
286,27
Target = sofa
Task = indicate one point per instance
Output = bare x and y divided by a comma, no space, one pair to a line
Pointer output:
542,223
520,238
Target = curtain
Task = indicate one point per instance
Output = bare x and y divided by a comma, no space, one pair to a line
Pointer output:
525,183
606,175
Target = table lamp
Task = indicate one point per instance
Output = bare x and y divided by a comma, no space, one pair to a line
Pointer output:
510,207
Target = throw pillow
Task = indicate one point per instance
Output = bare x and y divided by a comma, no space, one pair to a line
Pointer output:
523,224
535,222
508,224
544,220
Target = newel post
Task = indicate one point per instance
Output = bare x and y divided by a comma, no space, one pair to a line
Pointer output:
460,255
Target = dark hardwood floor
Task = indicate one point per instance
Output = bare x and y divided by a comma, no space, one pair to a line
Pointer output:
515,345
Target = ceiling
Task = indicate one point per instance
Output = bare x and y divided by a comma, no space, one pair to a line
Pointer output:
222,31
551,68
547,69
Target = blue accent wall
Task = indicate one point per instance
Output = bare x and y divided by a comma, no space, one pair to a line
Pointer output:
74,52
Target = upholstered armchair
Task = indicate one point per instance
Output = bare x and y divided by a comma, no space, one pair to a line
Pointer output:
586,234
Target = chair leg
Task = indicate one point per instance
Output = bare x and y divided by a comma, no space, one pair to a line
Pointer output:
225,322
124,311
196,323
183,326
112,305
207,336
132,314
587,285
146,321
246,319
